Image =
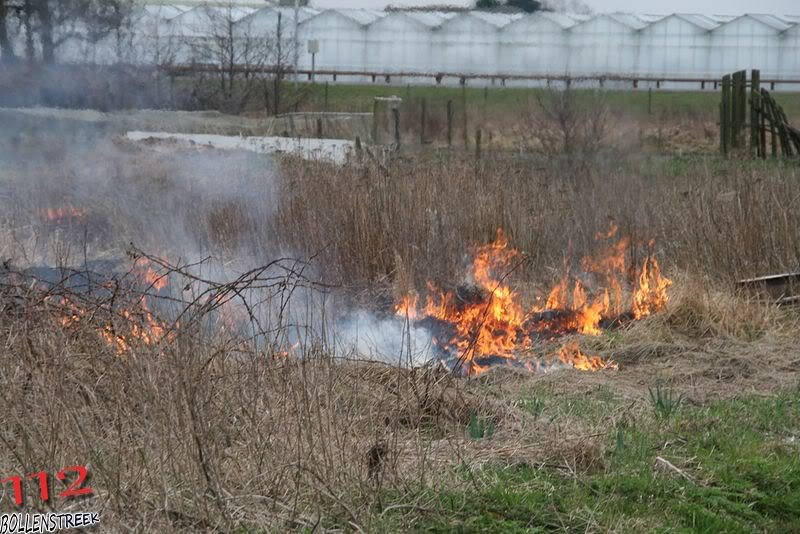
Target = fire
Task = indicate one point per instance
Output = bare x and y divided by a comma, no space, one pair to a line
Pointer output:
128,326
407,307
148,276
488,317
571,354
135,322
61,215
485,320
651,295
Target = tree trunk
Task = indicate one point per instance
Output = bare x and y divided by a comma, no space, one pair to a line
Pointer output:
6,48
27,23
44,14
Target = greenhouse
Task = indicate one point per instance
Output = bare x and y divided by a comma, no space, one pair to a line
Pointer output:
465,47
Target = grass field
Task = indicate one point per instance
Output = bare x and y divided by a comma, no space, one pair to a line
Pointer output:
503,101
727,466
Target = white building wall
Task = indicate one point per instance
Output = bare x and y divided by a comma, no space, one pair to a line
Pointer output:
533,45
342,41
466,44
603,46
745,43
674,48
789,61
400,42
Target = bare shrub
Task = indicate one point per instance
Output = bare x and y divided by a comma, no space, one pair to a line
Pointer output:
570,124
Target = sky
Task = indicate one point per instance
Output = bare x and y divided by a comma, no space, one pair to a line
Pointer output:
726,7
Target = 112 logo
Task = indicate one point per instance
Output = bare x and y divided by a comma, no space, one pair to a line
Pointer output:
73,476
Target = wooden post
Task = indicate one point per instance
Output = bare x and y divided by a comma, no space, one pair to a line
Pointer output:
725,115
422,121
783,122
735,124
375,122
326,97
478,135
649,100
319,128
755,94
742,100
464,115
762,130
449,123
396,115
768,112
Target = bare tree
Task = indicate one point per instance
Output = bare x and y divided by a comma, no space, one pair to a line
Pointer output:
570,121
239,53
6,46
51,23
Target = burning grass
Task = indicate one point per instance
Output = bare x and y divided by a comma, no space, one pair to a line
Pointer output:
484,323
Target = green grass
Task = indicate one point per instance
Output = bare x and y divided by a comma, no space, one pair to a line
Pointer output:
499,100
743,458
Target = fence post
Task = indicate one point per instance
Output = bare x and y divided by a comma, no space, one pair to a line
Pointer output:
478,135
396,114
423,120
755,93
464,108
742,107
375,122
735,124
449,123
771,118
326,97
763,125
725,115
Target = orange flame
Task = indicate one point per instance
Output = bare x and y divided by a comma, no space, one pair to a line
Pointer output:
487,319
148,276
140,325
407,307
61,214
651,295
571,354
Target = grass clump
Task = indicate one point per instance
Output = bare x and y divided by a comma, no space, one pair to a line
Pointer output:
664,401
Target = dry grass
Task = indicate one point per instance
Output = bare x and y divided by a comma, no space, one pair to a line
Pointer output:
715,221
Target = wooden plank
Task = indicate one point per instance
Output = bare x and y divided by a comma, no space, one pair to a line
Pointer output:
449,123
725,115
375,121
755,120
763,127
781,288
765,99
734,112
423,119
785,128
742,108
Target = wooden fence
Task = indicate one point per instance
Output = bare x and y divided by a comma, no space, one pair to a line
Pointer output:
767,122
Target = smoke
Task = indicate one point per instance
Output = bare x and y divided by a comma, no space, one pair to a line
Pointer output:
388,339
179,202
76,192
